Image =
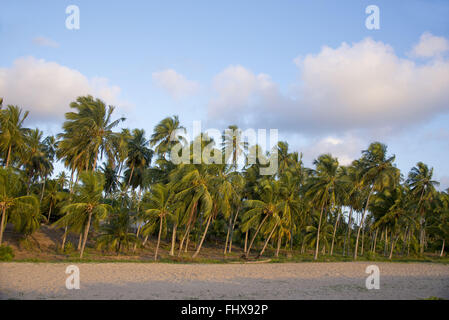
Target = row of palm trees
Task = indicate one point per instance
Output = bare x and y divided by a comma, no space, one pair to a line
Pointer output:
124,187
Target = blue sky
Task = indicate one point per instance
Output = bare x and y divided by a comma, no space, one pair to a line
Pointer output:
258,64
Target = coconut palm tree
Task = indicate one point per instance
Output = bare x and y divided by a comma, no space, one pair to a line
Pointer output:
324,186
12,132
139,155
422,187
262,209
87,206
159,208
166,134
378,172
23,210
89,129
233,145
115,232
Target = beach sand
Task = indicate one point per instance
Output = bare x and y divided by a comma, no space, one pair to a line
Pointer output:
345,280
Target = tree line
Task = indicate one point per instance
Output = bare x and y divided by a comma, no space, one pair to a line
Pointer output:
123,186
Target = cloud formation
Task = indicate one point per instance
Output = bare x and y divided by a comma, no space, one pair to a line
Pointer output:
45,42
175,83
430,46
47,88
357,86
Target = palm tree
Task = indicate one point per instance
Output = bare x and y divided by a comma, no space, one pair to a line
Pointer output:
267,206
421,185
324,186
87,205
378,172
139,155
159,204
23,209
115,233
233,145
89,129
166,134
12,132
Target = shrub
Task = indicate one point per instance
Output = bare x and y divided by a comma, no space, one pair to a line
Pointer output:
6,253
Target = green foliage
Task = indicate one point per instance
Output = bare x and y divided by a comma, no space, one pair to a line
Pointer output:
6,253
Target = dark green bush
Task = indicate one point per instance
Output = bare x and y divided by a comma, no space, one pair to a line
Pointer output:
6,253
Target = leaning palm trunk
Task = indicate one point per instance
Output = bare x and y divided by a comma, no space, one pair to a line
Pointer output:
442,248
255,235
203,237
80,241
187,232
375,242
137,236
246,241
227,235
232,230
333,235
393,241
173,240
268,240
2,223
346,233
361,223
86,232
279,246
158,238
64,237
318,233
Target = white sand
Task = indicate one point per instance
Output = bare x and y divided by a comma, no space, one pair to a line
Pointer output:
344,280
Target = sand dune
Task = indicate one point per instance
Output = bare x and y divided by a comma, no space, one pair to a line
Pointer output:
223,281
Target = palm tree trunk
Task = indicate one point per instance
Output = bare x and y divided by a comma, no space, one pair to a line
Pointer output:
232,230
393,240
145,240
158,238
187,232
173,240
333,235
375,241
2,223
49,213
130,176
361,223
268,239
246,241
255,235
227,235
203,237
86,232
347,231
43,189
363,241
318,233
137,236
279,246
8,156
442,248
64,237
80,241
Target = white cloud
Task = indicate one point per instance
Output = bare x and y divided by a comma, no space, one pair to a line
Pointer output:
47,88
346,148
45,42
430,46
175,83
363,85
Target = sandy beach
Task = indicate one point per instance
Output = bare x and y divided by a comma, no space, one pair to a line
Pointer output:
223,281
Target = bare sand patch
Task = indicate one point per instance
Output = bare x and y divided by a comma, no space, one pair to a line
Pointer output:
345,280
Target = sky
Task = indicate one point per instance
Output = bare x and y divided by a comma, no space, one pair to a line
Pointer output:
311,69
